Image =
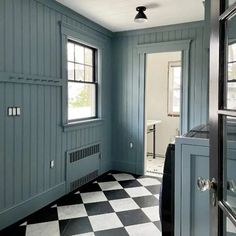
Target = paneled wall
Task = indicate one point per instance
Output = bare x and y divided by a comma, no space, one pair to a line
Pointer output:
31,78
127,110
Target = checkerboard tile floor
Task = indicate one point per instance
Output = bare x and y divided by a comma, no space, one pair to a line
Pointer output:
116,204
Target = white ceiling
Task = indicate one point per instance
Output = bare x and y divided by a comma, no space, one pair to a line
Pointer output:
118,15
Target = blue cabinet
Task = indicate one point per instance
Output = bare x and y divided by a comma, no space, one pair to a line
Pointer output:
191,205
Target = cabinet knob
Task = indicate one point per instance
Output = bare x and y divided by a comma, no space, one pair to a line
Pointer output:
206,184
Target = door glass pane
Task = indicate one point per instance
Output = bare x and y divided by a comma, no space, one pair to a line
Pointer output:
230,3
230,88
229,227
229,153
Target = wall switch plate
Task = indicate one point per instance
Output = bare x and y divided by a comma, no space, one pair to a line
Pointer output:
52,164
9,111
14,111
18,111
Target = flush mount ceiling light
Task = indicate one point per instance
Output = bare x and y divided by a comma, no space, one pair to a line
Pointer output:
140,17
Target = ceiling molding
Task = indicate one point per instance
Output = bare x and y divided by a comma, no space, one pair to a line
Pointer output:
196,24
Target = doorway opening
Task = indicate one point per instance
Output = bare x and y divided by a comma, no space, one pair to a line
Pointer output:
162,107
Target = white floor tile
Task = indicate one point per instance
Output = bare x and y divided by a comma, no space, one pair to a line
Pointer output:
49,228
124,204
123,176
71,211
148,181
93,197
24,224
112,185
137,192
152,213
105,221
147,229
86,234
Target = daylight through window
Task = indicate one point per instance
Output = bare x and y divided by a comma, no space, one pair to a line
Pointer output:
82,82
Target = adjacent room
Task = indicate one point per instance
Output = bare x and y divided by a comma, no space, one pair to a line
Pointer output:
117,118
163,106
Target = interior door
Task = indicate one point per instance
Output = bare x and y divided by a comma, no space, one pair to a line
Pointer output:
223,118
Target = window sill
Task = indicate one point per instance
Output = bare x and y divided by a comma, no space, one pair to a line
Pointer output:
81,124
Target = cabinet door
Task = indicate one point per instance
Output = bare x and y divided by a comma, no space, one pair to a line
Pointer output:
193,205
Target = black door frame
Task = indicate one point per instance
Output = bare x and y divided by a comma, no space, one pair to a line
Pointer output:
219,14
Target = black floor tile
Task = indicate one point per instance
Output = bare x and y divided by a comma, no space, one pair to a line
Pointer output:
146,201
154,189
158,224
75,226
98,208
116,194
112,232
70,199
106,178
90,188
83,225
12,231
132,217
130,183
44,215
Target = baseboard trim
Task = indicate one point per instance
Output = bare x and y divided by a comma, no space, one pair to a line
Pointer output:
124,166
23,209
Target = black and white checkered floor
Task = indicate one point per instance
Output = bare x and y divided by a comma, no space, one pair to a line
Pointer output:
115,204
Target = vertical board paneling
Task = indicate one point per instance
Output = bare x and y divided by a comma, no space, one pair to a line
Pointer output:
17,36
40,38
34,139
2,147
33,38
127,114
53,137
9,35
30,44
26,139
2,36
42,138
9,151
17,172
26,37
47,42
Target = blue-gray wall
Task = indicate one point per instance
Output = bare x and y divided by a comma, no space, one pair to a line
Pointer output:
128,98
30,77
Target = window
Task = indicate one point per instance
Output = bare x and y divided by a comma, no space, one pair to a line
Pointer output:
231,82
82,82
174,88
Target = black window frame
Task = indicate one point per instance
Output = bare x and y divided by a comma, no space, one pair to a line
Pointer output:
94,77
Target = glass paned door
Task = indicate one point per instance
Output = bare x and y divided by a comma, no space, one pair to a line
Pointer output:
223,118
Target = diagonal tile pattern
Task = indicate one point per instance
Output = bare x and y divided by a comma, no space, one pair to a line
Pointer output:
114,204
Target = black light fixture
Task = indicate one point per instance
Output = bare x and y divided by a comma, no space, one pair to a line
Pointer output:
140,17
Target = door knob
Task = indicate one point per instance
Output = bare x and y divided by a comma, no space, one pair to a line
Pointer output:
206,184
